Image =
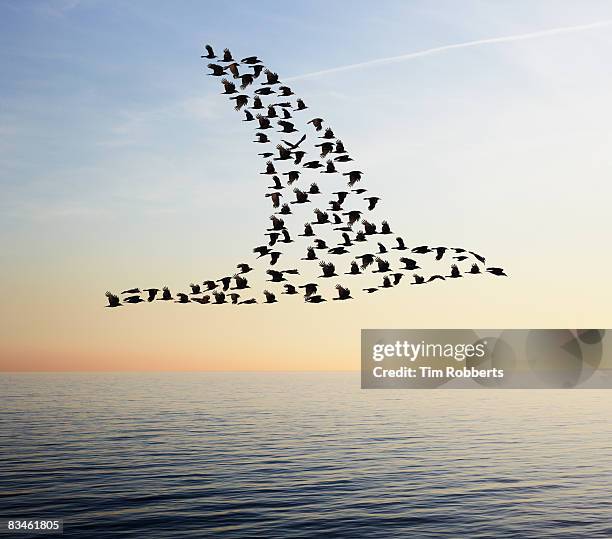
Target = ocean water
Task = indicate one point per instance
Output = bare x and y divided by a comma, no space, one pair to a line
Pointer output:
301,455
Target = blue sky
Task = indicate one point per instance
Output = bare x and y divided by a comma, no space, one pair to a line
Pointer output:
118,158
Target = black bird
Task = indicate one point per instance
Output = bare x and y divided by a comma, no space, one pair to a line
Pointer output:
314,189
354,176
337,219
386,283
440,252
152,293
113,300
299,155
283,153
264,91
330,169
262,138
219,298
251,60
248,117
307,230
285,210
317,123
418,279
343,293
383,265
347,240
359,191
227,56
366,260
270,170
474,269
286,236
241,101
257,69
343,159
230,87
290,289
210,285
434,277
372,201
272,112
182,298
360,236
277,183
270,297
354,269
328,134
369,228
309,289
248,301
277,276
370,290
244,268
497,271
246,80
241,283
300,105
322,217
285,91
131,291
320,244
257,104
326,147
312,164
397,277
300,197
166,295
337,250
217,70
409,264
210,54
341,196
384,228
315,299
275,198
277,223
478,257
381,249
263,251
400,244
203,300
294,146
234,296
353,216
328,269
339,147
264,123
274,256
195,289
455,273
287,127
335,205
271,78
421,249
292,175
225,281
233,69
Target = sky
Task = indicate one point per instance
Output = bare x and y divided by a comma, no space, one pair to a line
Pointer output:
121,166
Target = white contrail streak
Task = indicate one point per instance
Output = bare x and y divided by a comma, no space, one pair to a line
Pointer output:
464,45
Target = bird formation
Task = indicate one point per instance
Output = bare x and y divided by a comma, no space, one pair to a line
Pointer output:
342,237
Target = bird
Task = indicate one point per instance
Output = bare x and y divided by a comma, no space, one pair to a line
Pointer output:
225,281
328,269
210,53
497,271
182,298
293,146
307,230
230,87
381,249
300,105
372,201
309,289
366,260
203,300
249,301
312,164
384,228
219,298
290,289
131,291
475,269
287,127
275,198
386,282
409,263
270,297
241,101
262,138
455,273
241,283
322,217
227,56
317,123
250,60
244,268
152,293
210,285
400,244
328,134
292,176
195,289
166,295
330,168
276,276
354,176
217,70
113,300
314,189
300,197
370,290
274,256
354,269
383,265
234,297
353,216
343,293
284,154
277,183
397,277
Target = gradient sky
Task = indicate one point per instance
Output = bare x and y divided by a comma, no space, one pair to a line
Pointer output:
120,165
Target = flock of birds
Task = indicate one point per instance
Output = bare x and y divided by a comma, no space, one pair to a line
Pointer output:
334,233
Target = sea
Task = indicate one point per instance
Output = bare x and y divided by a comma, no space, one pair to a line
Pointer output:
269,454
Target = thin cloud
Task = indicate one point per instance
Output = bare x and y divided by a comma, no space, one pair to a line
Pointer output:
464,45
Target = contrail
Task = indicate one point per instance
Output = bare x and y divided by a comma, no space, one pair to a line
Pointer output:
464,45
